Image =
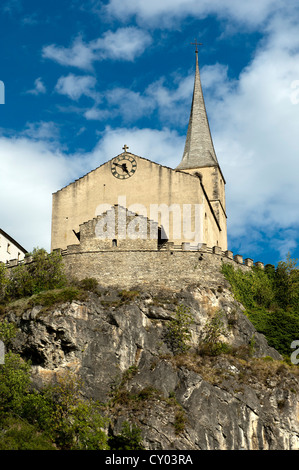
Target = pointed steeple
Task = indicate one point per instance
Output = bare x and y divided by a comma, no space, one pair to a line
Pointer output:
199,149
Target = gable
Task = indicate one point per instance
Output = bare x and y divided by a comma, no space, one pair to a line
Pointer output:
143,185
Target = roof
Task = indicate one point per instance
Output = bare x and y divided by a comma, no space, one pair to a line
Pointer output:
8,237
199,149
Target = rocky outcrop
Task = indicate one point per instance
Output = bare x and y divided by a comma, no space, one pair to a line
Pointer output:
115,341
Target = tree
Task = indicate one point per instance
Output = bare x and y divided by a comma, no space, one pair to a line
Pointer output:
14,384
3,281
45,272
287,283
178,330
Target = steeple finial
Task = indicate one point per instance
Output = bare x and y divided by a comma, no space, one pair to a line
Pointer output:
199,149
196,44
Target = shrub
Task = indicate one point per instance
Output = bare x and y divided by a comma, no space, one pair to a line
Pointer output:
127,295
211,343
128,439
178,331
54,417
17,434
54,296
14,384
89,284
271,300
43,273
251,288
3,281
8,331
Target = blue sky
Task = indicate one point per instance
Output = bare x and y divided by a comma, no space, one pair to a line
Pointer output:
83,78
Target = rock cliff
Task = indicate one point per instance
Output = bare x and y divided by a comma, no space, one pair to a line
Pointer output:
116,342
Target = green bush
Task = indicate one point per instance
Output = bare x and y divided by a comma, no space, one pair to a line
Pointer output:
128,439
178,332
8,331
3,281
17,434
271,300
71,422
89,284
211,343
14,384
252,288
54,417
43,273
55,296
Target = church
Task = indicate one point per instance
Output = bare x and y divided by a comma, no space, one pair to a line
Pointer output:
130,197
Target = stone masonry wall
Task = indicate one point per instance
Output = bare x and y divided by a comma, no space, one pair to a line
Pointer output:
167,268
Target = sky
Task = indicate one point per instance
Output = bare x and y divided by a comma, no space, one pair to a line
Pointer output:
83,78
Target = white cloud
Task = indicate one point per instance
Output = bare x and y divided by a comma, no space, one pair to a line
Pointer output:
31,170
255,128
75,86
161,146
123,44
79,55
39,87
171,103
42,131
169,12
129,104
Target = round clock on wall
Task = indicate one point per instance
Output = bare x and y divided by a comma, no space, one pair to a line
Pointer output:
123,166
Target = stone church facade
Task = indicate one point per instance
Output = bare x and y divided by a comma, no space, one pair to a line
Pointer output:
135,203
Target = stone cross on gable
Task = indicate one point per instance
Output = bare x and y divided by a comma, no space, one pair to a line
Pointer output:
125,148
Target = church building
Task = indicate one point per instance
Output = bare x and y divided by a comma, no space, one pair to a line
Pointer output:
180,205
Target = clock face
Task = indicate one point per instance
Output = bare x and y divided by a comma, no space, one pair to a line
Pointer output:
123,166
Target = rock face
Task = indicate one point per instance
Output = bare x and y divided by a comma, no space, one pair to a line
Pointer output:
115,341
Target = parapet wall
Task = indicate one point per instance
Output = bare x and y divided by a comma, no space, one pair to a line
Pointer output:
173,266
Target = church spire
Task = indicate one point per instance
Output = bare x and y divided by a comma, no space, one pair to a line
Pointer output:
199,149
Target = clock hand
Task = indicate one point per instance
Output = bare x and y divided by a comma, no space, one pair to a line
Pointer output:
123,166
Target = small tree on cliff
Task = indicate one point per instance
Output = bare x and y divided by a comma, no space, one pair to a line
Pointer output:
43,273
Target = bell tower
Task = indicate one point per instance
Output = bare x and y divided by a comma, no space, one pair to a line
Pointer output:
199,157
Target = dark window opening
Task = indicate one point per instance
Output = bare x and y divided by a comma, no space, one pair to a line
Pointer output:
77,234
162,237
114,242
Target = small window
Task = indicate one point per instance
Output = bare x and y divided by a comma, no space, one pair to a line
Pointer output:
8,247
114,242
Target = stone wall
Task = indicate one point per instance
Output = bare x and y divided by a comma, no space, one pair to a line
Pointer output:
171,268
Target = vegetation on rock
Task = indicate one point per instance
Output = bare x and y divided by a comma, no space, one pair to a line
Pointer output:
57,416
271,300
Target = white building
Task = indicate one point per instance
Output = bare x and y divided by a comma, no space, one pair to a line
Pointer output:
10,249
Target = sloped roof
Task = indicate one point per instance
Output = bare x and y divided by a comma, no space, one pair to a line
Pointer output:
8,237
199,149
